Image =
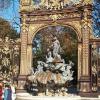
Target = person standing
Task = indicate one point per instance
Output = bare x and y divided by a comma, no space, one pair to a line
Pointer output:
1,91
5,92
13,92
9,97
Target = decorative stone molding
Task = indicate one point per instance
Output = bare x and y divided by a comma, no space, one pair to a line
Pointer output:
56,16
31,5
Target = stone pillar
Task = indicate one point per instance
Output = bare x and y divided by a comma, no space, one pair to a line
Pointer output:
23,61
85,76
79,63
29,57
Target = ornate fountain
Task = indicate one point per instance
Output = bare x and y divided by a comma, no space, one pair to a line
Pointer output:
53,73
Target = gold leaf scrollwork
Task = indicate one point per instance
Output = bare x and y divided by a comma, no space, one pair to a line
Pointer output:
25,2
56,17
86,2
86,21
24,25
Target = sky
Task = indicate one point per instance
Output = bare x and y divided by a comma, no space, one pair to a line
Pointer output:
11,13
96,18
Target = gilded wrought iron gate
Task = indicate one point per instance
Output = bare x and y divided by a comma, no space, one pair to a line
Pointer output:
9,59
95,66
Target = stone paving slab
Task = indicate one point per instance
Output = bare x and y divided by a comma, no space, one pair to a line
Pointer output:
25,96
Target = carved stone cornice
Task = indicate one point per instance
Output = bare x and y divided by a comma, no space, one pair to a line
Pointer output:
46,16
53,17
97,40
52,5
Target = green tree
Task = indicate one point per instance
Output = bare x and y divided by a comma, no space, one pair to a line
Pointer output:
7,30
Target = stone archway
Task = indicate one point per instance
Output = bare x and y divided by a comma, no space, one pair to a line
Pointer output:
79,37
68,33
67,24
79,40
32,22
29,47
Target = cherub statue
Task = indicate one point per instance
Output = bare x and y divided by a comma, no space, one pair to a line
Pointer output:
39,67
6,39
67,74
49,57
56,46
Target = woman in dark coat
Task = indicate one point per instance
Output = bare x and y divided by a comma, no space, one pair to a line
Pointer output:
7,93
9,97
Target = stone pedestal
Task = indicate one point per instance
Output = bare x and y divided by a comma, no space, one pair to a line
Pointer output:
21,84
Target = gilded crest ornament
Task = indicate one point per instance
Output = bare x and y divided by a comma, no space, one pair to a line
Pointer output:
86,2
55,4
56,16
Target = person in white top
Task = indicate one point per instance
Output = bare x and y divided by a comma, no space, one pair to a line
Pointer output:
13,92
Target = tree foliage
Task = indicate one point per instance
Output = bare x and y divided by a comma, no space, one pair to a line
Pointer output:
66,36
7,30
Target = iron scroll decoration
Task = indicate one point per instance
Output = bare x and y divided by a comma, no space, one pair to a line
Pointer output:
9,65
94,71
